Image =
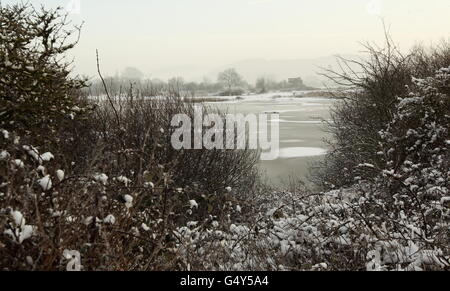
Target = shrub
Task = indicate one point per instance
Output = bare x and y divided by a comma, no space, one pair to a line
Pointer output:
36,90
356,121
145,129
112,221
107,183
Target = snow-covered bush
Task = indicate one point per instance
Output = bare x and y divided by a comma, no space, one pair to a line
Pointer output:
115,222
348,229
146,222
416,142
416,145
105,184
397,220
402,212
376,82
35,84
143,134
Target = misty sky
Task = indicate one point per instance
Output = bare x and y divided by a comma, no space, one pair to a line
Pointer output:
155,35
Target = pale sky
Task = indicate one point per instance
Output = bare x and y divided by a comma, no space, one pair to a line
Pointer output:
152,35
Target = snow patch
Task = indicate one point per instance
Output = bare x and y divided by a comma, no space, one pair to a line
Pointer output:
193,204
45,183
128,201
60,175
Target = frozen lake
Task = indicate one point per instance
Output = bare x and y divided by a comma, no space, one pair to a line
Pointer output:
301,130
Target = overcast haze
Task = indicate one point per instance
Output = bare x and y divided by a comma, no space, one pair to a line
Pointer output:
195,38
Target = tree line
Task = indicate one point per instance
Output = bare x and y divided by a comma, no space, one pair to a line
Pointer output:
228,83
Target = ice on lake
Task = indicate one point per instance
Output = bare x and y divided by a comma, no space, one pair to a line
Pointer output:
300,152
302,123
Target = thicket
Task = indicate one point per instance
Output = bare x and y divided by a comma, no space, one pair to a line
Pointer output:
99,178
